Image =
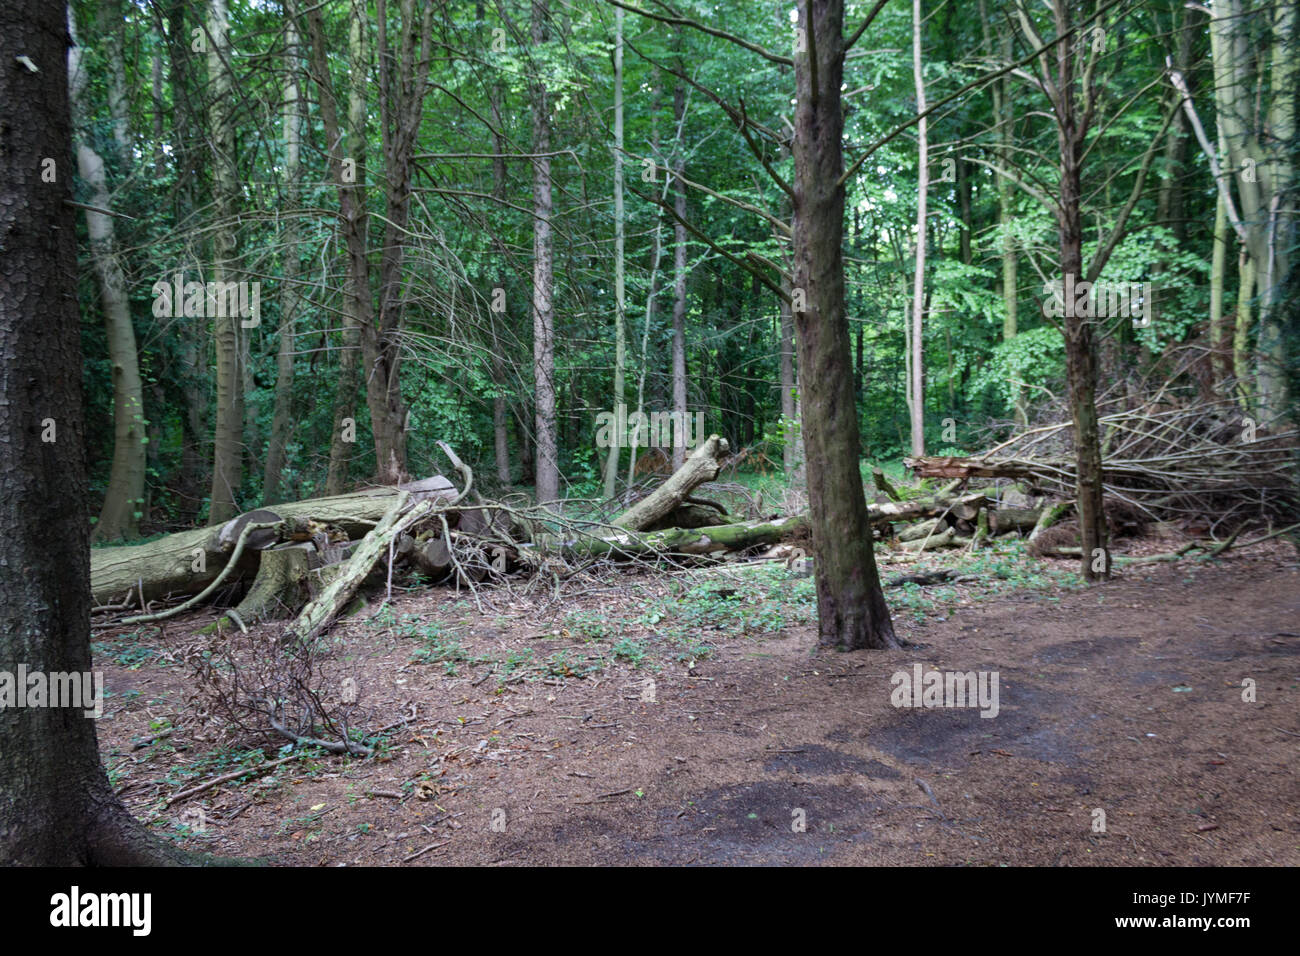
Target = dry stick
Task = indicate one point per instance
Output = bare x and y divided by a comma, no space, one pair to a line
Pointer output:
225,572
420,853
233,775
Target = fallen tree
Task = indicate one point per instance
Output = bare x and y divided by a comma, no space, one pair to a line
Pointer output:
188,561
309,559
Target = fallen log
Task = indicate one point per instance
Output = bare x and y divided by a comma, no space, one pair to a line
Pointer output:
714,540
320,612
1006,520
963,468
702,465
187,562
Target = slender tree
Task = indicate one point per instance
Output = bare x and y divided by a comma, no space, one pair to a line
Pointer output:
547,469
120,515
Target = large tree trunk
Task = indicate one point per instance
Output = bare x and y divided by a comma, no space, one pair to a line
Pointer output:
124,498
1280,225
547,474
56,805
851,608
228,438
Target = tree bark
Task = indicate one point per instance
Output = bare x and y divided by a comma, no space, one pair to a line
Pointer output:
620,317
56,805
228,443
679,273
703,465
916,385
187,562
851,608
403,77
282,415
348,170
547,475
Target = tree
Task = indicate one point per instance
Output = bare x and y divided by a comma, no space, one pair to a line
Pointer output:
620,317
56,804
1073,93
228,441
851,609
916,383
548,468
119,516
291,299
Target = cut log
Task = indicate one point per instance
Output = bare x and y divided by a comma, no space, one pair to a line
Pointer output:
703,465
1006,520
918,530
187,562
432,557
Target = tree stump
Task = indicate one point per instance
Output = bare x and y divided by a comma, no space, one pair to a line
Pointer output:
280,588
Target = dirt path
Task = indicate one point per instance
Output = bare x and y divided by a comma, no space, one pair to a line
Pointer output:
1126,699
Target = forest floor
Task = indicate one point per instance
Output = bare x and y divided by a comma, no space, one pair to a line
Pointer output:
690,719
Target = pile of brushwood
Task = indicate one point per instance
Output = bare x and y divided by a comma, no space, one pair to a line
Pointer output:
1199,464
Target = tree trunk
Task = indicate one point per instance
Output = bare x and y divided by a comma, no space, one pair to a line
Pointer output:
500,319
851,608
916,386
124,498
1280,220
703,465
228,443
403,76
1080,331
187,562
620,318
547,469
348,170
679,274
1220,350
282,416
56,805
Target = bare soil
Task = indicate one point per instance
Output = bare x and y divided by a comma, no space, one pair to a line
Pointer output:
1126,698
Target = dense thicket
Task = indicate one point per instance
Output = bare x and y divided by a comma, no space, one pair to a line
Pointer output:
388,212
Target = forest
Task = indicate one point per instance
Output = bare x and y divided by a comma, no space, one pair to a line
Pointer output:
438,400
